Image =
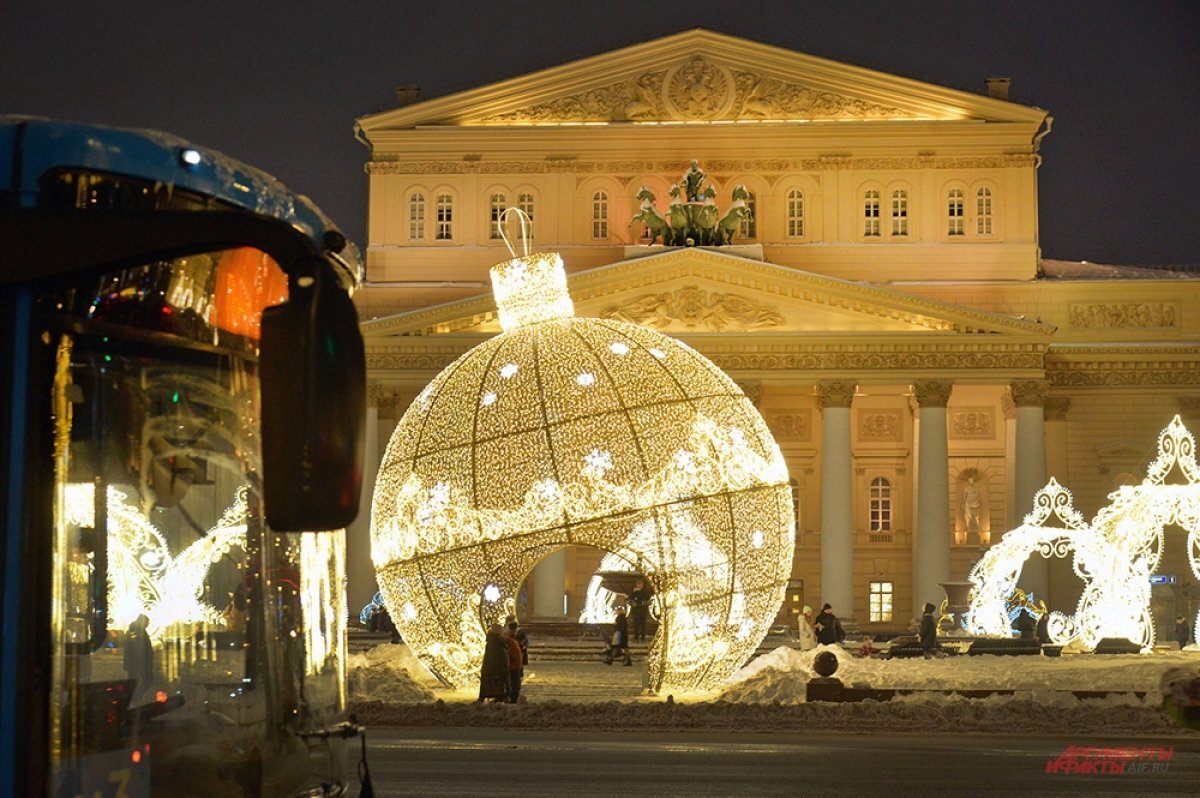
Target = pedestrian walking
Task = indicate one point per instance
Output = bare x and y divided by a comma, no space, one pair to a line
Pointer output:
619,645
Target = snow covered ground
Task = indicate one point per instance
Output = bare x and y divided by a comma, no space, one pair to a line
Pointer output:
390,687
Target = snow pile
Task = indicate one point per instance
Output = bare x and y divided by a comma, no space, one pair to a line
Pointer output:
388,672
783,674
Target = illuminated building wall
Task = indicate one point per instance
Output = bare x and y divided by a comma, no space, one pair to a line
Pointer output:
922,368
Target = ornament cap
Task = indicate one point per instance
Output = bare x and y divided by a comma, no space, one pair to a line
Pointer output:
530,289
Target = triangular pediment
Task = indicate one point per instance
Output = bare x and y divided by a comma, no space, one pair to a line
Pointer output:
686,291
700,76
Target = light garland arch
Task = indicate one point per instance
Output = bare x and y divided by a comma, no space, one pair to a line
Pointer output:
563,431
1115,554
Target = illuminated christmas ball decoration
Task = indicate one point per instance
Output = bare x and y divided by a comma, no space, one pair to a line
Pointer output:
561,431
1114,555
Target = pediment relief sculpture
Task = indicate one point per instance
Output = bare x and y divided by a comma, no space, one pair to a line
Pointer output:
694,308
697,89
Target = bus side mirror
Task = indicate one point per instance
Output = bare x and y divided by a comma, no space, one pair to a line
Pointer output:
314,404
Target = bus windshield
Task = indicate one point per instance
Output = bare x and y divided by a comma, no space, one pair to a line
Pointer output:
173,603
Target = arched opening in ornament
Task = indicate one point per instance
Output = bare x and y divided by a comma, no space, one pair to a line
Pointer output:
1174,589
579,585
1066,586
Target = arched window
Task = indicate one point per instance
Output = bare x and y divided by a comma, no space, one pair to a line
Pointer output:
983,212
795,214
525,203
600,215
497,205
881,505
871,214
748,227
954,213
445,217
416,217
899,213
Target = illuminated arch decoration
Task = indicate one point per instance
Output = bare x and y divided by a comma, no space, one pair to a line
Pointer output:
564,431
994,577
1115,554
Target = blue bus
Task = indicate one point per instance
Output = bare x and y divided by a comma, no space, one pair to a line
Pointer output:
182,394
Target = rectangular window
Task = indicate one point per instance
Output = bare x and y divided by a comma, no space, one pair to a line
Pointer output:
445,217
954,213
497,204
525,203
871,214
416,218
983,212
881,602
600,215
795,215
899,213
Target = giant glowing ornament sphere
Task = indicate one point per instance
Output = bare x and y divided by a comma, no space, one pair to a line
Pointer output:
565,431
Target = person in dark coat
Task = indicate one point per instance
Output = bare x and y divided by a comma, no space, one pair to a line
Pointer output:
494,680
927,633
1026,625
1183,634
620,639
516,664
139,656
639,608
1043,627
828,627
520,636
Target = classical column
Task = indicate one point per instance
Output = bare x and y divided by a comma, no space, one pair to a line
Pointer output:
1055,414
931,543
360,570
548,581
1030,396
837,498
1059,569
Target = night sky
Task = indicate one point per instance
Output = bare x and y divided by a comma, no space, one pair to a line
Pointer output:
279,85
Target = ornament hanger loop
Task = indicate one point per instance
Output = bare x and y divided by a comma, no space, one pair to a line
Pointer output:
524,217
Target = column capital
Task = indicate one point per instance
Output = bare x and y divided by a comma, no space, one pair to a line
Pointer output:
932,393
383,397
835,394
1029,393
1056,407
1189,406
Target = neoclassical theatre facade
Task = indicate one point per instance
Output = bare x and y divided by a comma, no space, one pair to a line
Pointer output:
885,305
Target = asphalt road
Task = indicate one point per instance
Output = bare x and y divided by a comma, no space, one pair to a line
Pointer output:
497,762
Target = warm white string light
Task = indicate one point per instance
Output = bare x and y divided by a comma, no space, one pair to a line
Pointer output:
567,431
1114,555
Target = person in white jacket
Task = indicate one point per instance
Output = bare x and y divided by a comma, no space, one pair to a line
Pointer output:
808,638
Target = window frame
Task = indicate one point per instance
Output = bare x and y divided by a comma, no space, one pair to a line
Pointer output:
416,216
600,204
877,612
443,216
794,214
